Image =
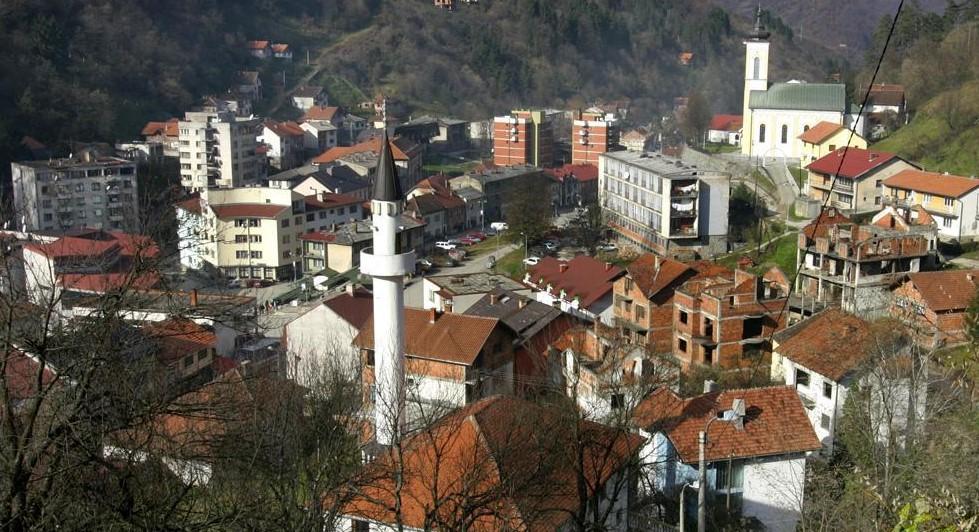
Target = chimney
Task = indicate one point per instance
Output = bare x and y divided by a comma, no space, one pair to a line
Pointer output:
321,195
970,277
710,386
447,305
432,314
522,302
493,299
193,297
350,288
563,267
608,266
657,262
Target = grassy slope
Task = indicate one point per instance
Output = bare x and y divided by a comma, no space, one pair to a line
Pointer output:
930,140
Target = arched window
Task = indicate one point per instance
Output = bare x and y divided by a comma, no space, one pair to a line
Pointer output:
756,68
785,134
761,133
805,128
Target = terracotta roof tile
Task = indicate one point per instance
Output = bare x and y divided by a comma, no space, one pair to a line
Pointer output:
586,278
285,129
101,283
855,162
180,337
248,210
946,290
494,454
726,122
455,338
951,186
318,112
775,423
329,201
820,227
820,132
400,148
21,375
832,343
354,308
192,205
581,172
651,279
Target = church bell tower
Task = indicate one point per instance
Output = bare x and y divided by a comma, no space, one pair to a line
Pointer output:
755,77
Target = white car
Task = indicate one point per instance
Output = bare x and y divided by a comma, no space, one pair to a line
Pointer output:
531,261
499,226
550,245
445,244
608,246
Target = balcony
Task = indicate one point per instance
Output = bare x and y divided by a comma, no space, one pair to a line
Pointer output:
386,265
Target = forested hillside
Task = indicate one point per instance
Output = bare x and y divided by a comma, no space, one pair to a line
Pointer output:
937,60
98,69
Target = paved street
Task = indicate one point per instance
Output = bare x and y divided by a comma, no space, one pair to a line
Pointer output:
473,264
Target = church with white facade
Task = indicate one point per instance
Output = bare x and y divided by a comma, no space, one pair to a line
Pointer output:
776,114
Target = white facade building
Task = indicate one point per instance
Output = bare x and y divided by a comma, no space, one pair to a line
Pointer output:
217,149
662,205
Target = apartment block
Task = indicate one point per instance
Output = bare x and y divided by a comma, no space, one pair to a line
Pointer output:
247,233
727,319
662,205
86,190
523,138
217,149
854,265
592,134
851,178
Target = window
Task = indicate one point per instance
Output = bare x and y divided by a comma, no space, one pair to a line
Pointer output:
47,217
827,389
241,239
370,359
832,147
188,361
285,239
801,378
241,254
640,312
761,133
356,525
322,215
785,134
353,209
618,401
628,284
949,202
285,222
756,68
96,186
46,203
925,198
683,316
824,422
708,354
681,345
256,254
310,217
946,222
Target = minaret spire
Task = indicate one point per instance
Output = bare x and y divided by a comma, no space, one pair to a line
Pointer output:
387,267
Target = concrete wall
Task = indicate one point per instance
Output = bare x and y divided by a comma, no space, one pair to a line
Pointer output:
774,490
319,341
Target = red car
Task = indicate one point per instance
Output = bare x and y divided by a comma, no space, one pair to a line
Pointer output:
466,241
477,235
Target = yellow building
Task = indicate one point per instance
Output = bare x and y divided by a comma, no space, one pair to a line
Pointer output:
951,200
823,138
851,179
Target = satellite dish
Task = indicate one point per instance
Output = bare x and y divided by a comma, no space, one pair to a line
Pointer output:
319,282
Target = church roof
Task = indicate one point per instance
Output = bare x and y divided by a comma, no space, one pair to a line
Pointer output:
801,97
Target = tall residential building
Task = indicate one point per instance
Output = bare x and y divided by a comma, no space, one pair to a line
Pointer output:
88,190
217,149
662,205
523,137
592,134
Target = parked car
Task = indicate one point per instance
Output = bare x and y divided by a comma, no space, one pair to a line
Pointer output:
457,254
423,265
607,246
550,245
499,226
445,244
478,234
234,283
531,261
466,241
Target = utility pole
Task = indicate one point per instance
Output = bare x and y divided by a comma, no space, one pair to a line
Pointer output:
702,492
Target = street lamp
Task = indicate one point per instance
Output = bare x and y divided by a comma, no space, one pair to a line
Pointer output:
683,509
734,415
524,235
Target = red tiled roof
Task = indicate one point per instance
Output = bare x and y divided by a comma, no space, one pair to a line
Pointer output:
170,128
651,279
133,244
726,122
319,236
222,365
585,277
285,129
280,47
21,373
820,227
581,172
946,290
318,112
455,338
820,132
70,246
887,95
192,204
775,423
400,147
32,143
951,186
258,45
831,343
354,308
101,283
248,210
180,337
500,462
855,163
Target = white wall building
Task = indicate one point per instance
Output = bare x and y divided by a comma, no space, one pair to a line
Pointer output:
217,149
662,205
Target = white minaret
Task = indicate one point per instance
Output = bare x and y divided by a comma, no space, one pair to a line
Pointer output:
755,78
388,268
